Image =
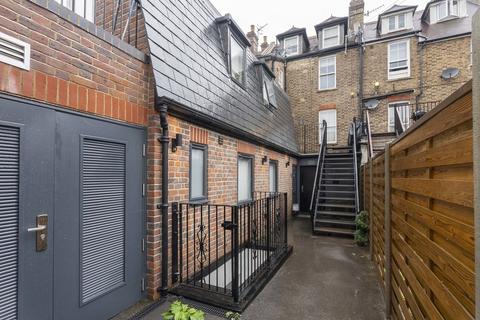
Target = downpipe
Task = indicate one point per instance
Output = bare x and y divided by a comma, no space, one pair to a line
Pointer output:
164,141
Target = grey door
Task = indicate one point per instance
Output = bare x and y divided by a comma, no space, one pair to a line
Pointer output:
26,190
87,176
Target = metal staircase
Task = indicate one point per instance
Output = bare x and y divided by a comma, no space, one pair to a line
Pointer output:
336,202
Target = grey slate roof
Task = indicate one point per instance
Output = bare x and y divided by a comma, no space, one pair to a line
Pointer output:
190,68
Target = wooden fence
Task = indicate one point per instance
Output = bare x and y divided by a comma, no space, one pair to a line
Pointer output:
419,194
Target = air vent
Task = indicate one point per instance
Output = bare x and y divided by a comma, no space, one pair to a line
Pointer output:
14,52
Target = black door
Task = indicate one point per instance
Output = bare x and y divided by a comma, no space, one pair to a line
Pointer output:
307,179
71,214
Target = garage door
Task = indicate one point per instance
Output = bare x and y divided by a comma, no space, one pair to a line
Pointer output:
71,214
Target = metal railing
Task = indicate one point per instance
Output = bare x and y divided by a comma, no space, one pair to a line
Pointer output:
355,162
224,251
369,134
320,164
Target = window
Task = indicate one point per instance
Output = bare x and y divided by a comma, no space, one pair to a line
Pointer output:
198,172
404,112
327,72
237,60
397,22
265,94
268,92
330,116
398,60
331,36
245,178
273,173
84,8
281,79
291,45
443,10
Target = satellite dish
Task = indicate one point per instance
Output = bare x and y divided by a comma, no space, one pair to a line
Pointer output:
450,73
371,104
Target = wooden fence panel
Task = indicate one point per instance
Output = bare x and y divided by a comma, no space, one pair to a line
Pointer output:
432,215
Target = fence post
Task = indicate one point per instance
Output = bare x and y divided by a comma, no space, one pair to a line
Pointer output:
268,231
388,237
235,261
285,212
175,242
370,205
476,152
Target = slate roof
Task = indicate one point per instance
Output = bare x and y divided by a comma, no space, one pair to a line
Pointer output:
190,68
331,21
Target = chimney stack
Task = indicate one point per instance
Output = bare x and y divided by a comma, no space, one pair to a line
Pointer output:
355,15
264,44
253,38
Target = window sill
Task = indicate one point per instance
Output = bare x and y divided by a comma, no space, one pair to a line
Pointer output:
326,90
409,77
198,201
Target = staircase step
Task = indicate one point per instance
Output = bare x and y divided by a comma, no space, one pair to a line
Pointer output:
338,174
337,198
336,213
349,223
337,191
346,170
333,231
337,205
329,185
336,159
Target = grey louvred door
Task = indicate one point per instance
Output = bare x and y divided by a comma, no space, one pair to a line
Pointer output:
26,190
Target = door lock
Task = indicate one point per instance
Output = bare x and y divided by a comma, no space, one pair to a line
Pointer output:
41,232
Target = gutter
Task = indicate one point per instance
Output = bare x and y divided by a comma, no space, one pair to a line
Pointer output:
162,109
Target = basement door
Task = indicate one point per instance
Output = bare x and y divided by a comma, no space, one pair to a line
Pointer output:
78,181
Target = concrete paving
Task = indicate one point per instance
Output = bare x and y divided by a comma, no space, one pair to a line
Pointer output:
325,278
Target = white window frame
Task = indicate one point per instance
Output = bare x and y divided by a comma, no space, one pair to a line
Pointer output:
244,63
285,46
327,74
329,125
273,181
391,116
397,22
338,36
84,8
265,93
399,74
204,173
434,10
252,168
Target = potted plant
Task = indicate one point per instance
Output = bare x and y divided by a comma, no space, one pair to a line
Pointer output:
181,311
361,234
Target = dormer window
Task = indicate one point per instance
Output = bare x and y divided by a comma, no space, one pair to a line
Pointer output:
237,60
397,22
444,9
267,79
291,45
331,36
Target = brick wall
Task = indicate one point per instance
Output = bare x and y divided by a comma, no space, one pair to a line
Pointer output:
222,178
306,99
72,68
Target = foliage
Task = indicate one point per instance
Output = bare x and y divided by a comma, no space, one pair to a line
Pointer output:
181,311
361,234
233,315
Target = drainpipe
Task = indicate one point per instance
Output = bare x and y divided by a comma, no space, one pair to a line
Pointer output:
421,67
360,80
164,140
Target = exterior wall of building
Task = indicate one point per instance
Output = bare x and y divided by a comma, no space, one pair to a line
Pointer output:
72,68
222,178
307,100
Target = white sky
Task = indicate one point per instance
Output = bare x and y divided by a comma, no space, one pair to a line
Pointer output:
281,15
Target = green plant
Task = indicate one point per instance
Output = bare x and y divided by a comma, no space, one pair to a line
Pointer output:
181,311
233,315
362,223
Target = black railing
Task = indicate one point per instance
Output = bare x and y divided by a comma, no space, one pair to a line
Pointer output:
308,138
224,252
354,129
320,165
369,134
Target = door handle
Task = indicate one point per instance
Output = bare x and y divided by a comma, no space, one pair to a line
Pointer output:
41,231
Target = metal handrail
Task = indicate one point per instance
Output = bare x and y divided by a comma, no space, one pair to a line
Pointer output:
369,135
355,161
320,162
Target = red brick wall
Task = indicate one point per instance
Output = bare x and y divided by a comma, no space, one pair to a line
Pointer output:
72,68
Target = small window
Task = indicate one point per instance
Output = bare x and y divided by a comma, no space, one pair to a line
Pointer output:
443,10
84,8
245,178
281,79
327,72
397,22
404,112
331,36
237,60
268,91
198,172
291,45
330,116
266,100
273,175
398,60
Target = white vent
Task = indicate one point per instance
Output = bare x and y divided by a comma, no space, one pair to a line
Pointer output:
14,52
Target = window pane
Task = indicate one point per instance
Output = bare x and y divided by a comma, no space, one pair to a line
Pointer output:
265,93
454,8
391,23
237,60
291,45
327,73
273,177
401,21
197,175
244,179
67,3
403,111
89,8
80,7
442,10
